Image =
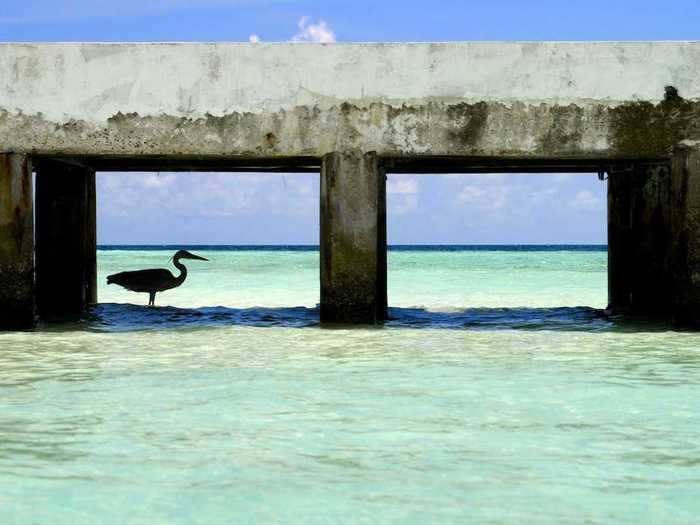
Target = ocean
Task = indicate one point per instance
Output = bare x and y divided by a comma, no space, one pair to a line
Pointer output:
498,392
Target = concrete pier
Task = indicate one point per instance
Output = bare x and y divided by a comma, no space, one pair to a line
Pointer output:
66,264
353,238
353,112
17,300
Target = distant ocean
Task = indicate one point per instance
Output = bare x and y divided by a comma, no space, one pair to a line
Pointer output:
397,248
498,392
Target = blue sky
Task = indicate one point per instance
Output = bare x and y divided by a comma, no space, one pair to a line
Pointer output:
277,209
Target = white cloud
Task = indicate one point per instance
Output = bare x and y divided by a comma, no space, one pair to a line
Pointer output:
489,198
404,190
156,180
403,204
254,39
151,195
308,32
586,200
485,203
471,194
301,187
542,197
402,186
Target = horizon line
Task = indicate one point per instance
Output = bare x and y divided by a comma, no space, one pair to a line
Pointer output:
302,245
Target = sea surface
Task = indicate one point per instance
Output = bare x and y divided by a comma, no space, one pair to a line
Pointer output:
499,392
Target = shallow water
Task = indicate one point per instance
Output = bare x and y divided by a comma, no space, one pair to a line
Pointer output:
498,393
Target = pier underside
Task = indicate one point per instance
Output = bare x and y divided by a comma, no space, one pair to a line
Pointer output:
653,228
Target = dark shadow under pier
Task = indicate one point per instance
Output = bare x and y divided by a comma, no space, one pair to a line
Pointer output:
127,318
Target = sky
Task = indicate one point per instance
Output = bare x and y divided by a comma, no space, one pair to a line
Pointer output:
212,208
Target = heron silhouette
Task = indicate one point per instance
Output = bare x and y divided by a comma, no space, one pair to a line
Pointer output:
154,280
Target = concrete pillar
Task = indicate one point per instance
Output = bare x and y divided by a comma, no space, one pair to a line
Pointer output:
17,307
66,261
651,238
353,239
685,217
639,240
619,241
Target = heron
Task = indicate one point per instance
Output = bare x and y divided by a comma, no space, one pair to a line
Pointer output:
154,280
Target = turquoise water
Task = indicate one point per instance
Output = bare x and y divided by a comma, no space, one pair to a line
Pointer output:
498,393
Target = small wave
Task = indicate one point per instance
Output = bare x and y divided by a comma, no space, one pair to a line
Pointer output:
111,317
564,318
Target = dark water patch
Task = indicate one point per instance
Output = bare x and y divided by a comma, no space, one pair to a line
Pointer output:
577,319
132,318
110,317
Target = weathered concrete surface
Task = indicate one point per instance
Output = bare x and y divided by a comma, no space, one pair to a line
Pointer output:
353,238
16,243
685,217
66,264
547,99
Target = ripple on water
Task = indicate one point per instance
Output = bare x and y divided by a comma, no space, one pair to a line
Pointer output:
128,317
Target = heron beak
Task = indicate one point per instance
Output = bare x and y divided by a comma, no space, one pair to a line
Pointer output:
195,257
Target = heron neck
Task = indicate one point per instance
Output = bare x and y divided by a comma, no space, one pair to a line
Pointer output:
183,271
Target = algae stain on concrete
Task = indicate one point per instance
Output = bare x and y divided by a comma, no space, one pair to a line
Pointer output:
643,128
470,121
565,131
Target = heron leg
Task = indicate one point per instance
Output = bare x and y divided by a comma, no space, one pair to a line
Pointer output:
151,298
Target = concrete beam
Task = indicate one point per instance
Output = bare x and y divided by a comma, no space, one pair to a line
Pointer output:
353,239
550,100
685,217
17,306
66,239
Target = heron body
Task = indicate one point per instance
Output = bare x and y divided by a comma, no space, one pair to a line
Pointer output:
154,280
